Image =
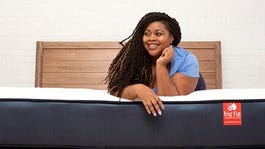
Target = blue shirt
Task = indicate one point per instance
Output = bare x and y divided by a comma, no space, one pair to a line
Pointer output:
184,62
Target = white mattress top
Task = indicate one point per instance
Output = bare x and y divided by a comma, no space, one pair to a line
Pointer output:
102,95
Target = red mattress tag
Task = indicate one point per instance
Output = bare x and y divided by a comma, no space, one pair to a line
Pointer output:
232,113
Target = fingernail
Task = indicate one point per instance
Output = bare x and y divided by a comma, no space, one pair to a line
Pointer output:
154,114
159,112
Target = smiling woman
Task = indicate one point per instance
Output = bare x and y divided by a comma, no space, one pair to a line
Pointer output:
157,37
151,64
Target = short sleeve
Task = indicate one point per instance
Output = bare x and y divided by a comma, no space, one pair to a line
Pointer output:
185,63
190,66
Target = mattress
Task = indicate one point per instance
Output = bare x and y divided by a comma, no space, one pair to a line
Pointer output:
86,118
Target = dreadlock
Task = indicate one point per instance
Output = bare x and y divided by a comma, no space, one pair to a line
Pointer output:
133,64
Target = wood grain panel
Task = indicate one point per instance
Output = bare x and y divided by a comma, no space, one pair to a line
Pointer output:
74,78
85,64
212,86
75,66
79,54
198,44
80,44
101,87
210,78
207,66
203,54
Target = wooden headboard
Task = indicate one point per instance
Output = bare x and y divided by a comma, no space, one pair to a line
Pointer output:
85,64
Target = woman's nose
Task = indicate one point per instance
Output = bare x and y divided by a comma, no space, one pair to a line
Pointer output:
152,37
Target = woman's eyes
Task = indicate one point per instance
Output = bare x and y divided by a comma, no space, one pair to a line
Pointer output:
147,33
156,34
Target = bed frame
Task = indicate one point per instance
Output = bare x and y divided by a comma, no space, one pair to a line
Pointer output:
85,64
67,117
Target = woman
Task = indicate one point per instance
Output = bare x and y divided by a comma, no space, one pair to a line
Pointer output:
151,65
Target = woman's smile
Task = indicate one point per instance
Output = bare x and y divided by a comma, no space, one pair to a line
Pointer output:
152,46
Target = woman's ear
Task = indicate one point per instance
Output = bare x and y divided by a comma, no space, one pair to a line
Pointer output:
172,41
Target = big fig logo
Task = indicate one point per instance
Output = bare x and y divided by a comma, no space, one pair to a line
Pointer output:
232,113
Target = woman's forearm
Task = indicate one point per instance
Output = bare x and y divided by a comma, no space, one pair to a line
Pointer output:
165,86
129,92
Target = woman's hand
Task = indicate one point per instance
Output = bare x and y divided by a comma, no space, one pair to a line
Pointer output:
166,56
151,101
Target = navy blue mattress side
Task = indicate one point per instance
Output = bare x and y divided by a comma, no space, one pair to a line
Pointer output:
86,124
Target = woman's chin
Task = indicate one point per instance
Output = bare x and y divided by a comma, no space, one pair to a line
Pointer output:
154,53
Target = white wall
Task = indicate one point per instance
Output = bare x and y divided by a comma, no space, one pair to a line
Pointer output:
238,24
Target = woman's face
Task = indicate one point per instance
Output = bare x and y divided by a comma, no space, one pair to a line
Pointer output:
156,38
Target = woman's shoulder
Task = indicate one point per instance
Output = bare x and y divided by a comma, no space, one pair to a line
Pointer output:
184,62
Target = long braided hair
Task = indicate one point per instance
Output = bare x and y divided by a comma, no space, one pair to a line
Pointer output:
133,64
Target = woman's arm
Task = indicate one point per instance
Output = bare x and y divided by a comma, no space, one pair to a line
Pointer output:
165,86
151,101
178,84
